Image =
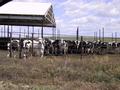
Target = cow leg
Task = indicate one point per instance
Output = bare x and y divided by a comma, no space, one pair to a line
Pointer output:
14,53
8,55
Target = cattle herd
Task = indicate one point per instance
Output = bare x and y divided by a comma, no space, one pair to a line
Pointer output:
46,46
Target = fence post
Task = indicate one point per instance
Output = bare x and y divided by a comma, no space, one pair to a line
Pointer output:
10,45
32,42
77,36
99,34
42,30
20,47
112,37
81,46
38,33
115,36
28,31
1,32
53,33
4,31
103,34
8,31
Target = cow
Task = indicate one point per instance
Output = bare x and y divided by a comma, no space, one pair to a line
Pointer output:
104,47
27,48
114,47
82,47
97,47
60,47
48,46
33,48
89,47
64,47
57,47
72,47
12,47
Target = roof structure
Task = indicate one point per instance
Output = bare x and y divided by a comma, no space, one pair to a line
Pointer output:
27,14
2,2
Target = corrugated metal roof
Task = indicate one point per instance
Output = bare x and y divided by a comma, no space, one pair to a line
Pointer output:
25,8
27,13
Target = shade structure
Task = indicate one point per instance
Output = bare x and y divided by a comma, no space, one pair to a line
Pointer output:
27,14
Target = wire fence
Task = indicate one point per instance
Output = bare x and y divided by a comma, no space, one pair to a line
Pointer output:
6,37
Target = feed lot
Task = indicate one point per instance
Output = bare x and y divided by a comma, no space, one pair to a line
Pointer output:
70,72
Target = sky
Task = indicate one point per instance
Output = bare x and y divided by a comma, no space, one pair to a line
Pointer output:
89,15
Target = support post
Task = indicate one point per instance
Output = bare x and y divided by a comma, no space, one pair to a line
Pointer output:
38,33
24,34
99,34
103,35
4,31
28,31
115,36
58,34
11,29
32,29
53,33
8,31
10,45
42,30
32,42
77,35
81,46
1,31
94,36
112,36
20,47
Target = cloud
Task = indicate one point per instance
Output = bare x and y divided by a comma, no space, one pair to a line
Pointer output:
93,14
89,15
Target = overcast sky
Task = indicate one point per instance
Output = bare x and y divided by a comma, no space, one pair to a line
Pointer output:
88,15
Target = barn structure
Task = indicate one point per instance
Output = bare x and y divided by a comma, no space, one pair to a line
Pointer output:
27,14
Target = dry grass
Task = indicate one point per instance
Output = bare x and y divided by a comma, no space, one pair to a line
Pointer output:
61,73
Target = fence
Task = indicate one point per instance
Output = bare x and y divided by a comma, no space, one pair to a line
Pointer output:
8,35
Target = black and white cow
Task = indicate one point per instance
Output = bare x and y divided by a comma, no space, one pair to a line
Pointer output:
48,46
72,47
13,47
60,47
89,47
82,47
35,48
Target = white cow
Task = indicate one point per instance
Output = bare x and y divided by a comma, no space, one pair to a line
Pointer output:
35,49
27,48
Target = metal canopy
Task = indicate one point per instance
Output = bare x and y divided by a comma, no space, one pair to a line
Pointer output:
27,14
